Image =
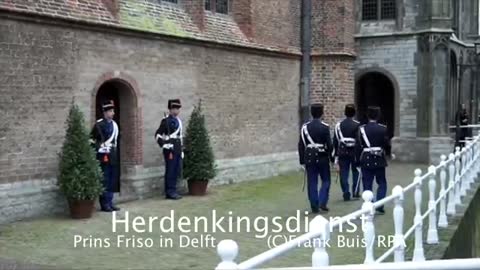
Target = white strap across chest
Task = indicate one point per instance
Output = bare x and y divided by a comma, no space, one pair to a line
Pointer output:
365,138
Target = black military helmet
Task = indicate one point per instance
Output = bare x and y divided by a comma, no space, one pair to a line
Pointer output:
174,104
316,110
108,105
350,110
373,113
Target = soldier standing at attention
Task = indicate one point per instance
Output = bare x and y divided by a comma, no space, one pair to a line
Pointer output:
104,136
169,137
373,149
344,141
315,148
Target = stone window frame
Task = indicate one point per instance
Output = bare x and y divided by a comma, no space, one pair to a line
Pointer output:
212,6
379,9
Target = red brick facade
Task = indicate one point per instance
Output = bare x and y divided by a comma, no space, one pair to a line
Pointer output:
245,67
333,56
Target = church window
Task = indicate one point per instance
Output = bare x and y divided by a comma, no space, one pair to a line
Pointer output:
373,10
218,6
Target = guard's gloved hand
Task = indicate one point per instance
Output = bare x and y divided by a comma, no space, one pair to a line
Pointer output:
337,167
302,167
183,155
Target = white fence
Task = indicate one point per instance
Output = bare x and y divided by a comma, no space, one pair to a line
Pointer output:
456,174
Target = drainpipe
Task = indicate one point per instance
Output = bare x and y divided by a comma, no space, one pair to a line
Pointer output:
305,72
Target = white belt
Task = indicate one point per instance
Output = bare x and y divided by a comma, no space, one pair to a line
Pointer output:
372,149
315,145
166,138
348,140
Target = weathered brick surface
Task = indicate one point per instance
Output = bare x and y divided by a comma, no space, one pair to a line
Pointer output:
277,22
333,24
333,56
332,85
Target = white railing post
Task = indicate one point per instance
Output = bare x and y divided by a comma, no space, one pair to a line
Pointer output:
442,218
228,252
471,170
458,168
464,172
398,217
320,256
432,234
369,227
418,254
451,210
470,165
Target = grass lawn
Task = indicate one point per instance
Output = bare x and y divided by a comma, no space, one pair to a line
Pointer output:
50,241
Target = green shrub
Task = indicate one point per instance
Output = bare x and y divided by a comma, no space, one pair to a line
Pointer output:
80,175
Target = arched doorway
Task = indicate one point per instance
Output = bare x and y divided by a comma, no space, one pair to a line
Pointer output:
376,89
127,115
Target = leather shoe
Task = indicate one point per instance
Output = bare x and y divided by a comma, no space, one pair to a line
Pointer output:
106,209
174,197
114,208
324,208
315,210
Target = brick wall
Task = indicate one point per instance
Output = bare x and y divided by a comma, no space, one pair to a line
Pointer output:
332,85
333,56
333,26
251,100
277,22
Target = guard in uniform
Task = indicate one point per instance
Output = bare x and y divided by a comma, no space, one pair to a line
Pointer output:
315,149
373,150
169,138
104,137
344,141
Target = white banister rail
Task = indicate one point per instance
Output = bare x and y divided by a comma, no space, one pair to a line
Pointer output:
461,168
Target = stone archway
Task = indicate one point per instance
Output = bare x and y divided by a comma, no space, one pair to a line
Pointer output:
374,88
123,90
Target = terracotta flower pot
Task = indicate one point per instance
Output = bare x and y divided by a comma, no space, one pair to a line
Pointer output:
81,209
197,188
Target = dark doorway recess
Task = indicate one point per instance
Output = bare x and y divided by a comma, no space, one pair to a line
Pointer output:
376,89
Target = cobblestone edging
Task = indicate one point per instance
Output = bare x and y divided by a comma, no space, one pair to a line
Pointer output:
36,198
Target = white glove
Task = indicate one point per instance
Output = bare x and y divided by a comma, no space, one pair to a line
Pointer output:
302,167
394,157
183,155
168,146
336,161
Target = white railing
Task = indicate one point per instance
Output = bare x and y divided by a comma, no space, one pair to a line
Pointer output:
461,168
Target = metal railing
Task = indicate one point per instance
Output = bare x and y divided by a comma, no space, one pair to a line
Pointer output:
461,168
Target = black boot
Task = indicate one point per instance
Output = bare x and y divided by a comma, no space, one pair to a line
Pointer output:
324,208
174,197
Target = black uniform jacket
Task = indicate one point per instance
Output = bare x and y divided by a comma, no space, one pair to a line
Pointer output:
169,134
320,133
377,135
100,133
349,128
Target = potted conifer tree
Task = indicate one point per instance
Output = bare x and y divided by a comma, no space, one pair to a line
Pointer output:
199,162
80,176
